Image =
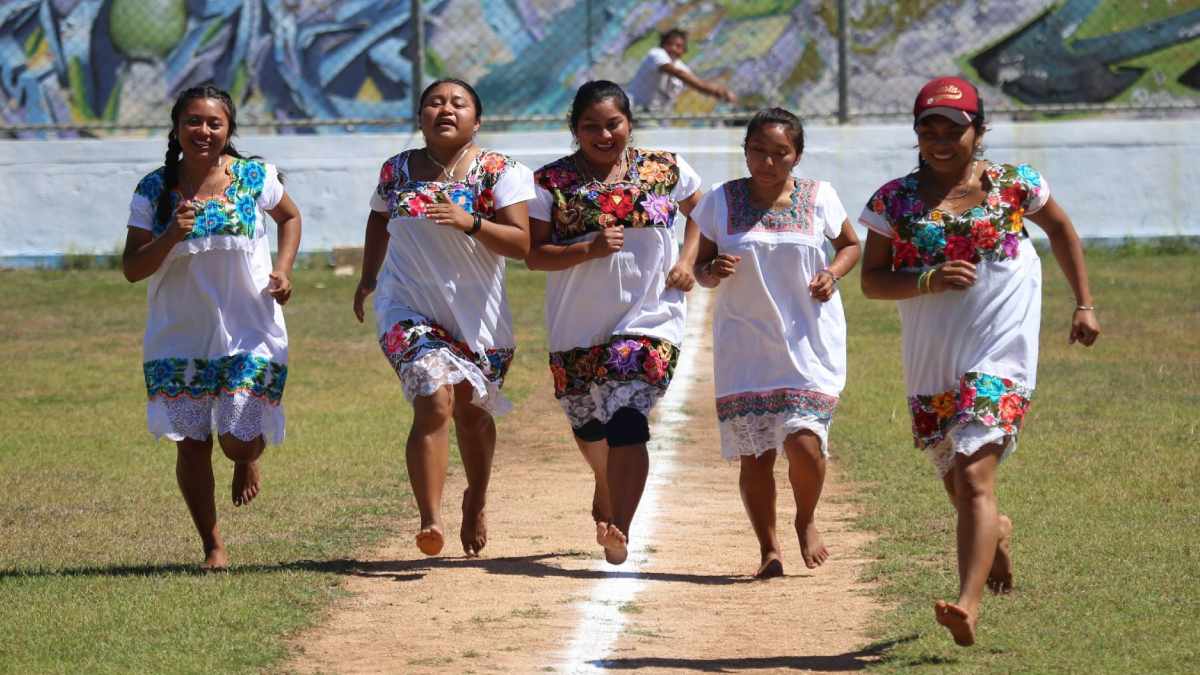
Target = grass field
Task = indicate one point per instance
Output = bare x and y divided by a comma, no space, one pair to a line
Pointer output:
97,552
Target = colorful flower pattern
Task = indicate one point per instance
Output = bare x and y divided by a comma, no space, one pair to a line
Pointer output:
624,358
991,231
207,378
792,401
641,199
234,213
409,198
408,341
987,399
745,217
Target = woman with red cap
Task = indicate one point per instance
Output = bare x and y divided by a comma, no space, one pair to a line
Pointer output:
948,242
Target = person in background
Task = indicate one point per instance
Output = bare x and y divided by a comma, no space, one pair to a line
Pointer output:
662,76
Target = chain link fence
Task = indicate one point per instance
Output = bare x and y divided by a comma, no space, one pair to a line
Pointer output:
105,67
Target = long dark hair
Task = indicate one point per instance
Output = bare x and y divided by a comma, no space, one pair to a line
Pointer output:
592,93
454,80
174,149
784,118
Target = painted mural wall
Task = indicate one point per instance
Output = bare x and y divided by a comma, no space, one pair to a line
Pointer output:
75,62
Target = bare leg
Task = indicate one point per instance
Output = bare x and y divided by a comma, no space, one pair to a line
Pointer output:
247,480
628,467
806,472
596,455
978,534
1000,578
756,482
427,454
476,432
194,473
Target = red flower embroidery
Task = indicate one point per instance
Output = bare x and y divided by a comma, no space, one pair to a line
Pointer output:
387,173
926,423
959,248
904,254
985,234
1013,196
617,202
1012,408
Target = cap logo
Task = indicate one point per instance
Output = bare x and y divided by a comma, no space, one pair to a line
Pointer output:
947,93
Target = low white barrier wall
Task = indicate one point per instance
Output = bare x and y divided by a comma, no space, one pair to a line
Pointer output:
1116,179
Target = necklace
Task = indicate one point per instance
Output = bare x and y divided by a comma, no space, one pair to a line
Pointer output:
448,171
584,168
963,192
195,189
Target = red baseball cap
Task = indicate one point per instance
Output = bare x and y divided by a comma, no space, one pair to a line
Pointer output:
950,97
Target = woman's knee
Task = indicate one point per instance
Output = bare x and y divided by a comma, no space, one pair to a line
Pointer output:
435,411
241,451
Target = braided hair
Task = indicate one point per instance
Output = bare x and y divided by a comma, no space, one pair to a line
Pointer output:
174,149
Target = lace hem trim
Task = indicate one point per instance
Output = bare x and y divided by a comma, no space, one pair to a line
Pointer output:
244,416
441,367
604,399
967,439
752,435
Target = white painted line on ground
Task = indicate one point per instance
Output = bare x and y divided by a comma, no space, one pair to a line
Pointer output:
602,618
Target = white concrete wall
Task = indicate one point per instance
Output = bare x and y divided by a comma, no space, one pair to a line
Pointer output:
1115,178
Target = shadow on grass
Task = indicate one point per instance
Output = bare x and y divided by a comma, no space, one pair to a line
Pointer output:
537,566
834,663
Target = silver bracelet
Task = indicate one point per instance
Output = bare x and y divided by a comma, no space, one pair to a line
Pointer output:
1085,308
835,277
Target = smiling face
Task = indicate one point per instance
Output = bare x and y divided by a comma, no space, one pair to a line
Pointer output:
448,115
602,132
675,46
946,146
203,129
770,154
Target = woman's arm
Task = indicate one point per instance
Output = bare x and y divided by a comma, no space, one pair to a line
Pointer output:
1068,251
549,257
144,253
375,244
681,275
711,267
287,218
507,234
880,282
847,252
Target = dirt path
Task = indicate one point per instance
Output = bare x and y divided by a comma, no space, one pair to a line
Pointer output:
542,599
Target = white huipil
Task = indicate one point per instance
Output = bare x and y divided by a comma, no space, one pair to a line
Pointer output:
215,350
779,354
438,276
970,355
597,302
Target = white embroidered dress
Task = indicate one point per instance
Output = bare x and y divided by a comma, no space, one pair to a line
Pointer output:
970,356
215,350
440,305
779,354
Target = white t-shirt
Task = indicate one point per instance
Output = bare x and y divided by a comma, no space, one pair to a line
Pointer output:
651,87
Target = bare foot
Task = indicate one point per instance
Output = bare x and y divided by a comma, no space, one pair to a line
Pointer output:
956,619
601,531
771,567
245,482
473,532
215,560
430,540
1000,578
812,546
616,545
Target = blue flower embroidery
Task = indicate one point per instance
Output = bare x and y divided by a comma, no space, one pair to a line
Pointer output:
1030,175
247,212
990,387
930,238
464,197
253,175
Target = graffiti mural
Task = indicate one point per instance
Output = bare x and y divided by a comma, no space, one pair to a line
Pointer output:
88,63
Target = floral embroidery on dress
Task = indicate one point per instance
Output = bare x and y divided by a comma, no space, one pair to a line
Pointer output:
799,401
582,205
991,231
235,212
408,341
624,358
745,217
206,378
409,198
993,401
